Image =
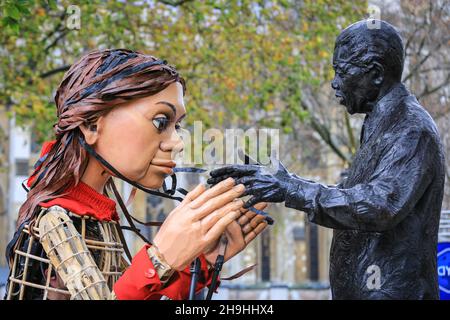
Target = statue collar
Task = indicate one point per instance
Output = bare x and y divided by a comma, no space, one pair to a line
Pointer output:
385,111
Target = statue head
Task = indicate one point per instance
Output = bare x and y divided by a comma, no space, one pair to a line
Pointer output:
367,60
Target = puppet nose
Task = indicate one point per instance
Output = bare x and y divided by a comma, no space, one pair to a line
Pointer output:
174,144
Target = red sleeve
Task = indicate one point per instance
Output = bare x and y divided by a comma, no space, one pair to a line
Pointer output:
140,281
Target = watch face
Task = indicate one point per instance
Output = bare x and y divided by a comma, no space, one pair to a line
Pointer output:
163,270
162,267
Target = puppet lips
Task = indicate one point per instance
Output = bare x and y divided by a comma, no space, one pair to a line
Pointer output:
165,165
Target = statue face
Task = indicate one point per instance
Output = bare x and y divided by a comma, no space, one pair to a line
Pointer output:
353,84
140,138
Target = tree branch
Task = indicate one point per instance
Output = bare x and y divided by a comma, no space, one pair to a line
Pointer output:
325,134
174,3
416,68
54,71
62,35
427,91
350,133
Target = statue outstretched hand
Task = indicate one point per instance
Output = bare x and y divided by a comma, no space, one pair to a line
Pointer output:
263,183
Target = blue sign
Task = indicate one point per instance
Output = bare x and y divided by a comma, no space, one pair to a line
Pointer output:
443,265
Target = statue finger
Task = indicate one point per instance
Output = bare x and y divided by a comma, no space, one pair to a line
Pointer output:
252,201
235,169
214,181
258,206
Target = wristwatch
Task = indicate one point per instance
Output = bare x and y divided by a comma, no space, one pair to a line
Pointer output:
162,268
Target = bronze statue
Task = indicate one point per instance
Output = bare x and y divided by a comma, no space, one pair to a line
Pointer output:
385,214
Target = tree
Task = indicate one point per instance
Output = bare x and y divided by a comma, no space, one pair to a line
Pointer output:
424,26
238,57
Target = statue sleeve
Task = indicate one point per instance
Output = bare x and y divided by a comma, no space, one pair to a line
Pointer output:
400,179
70,257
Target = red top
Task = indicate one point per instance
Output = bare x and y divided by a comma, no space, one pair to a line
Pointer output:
84,200
140,281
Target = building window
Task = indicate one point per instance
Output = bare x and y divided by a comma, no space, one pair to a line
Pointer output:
265,257
22,167
153,201
161,216
148,217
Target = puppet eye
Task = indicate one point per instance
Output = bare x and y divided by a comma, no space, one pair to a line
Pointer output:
161,123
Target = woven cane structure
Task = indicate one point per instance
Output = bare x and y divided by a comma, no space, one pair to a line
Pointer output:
85,253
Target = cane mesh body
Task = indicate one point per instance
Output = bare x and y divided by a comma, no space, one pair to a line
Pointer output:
84,252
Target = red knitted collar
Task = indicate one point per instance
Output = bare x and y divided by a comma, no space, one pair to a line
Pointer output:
84,200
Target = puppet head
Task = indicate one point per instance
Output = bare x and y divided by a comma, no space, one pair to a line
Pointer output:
124,106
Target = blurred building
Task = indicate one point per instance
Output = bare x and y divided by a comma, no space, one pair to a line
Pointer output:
4,179
18,154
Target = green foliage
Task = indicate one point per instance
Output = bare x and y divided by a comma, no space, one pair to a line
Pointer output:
12,12
245,62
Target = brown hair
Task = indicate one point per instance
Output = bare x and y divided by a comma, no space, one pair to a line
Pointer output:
94,85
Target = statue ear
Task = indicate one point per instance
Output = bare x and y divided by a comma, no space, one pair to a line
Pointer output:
377,73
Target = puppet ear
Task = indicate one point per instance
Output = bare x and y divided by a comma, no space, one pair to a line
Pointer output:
92,130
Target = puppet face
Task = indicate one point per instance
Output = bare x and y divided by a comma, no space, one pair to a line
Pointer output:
139,138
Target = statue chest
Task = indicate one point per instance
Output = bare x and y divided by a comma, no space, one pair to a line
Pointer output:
367,159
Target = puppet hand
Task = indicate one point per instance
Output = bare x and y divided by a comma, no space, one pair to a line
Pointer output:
265,184
198,222
239,234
